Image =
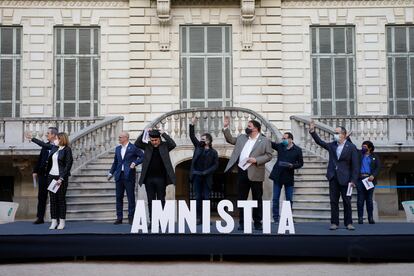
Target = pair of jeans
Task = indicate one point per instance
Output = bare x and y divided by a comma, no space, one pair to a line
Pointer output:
156,190
202,192
276,196
364,195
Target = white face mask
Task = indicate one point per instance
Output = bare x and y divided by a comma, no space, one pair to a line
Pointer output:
336,137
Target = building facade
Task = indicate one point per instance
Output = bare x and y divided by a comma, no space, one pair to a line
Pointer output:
73,63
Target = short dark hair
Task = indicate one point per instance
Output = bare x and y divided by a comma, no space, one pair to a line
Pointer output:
53,130
256,124
154,133
370,145
289,134
208,137
343,130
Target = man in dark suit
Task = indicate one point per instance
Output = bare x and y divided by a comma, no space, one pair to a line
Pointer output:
289,158
343,170
40,173
127,157
251,152
157,170
205,162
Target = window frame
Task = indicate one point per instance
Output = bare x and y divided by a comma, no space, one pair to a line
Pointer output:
408,56
14,57
77,57
351,102
185,102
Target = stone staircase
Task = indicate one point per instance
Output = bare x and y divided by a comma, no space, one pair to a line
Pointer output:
311,194
90,195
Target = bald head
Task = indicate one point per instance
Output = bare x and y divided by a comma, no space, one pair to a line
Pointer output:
123,138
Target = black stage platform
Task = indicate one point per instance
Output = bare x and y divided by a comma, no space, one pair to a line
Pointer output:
382,241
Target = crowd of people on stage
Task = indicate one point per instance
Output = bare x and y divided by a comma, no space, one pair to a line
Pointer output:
348,167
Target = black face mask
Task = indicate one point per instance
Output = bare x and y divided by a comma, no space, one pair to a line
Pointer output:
248,131
202,144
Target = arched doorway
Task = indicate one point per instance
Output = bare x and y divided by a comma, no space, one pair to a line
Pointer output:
224,187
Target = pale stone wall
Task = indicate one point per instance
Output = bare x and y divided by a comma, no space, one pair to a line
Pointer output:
155,84
369,19
38,19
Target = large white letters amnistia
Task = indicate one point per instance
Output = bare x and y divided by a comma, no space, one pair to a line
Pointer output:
247,206
228,228
187,215
140,218
286,219
163,218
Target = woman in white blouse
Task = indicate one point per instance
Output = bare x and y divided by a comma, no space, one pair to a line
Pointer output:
58,166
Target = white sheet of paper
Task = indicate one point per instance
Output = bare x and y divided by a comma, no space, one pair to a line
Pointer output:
349,191
53,186
368,184
145,137
244,164
34,181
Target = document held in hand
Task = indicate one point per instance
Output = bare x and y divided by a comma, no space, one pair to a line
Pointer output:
145,136
53,186
243,164
349,191
368,184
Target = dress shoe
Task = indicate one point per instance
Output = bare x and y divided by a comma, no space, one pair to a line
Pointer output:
39,221
258,226
360,221
130,220
350,227
333,227
241,227
371,221
118,221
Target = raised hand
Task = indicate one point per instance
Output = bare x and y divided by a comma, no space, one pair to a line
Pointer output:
226,122
194,120
312,126
28,135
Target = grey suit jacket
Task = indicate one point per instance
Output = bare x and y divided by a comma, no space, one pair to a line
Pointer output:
262,151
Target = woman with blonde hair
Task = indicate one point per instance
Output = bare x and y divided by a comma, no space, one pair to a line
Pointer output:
58,167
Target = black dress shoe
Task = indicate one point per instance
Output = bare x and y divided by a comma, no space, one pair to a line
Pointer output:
130,220
360,221
371,221
118,221
39,221
258,226
241,227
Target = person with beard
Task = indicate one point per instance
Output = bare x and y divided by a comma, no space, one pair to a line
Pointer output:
203,165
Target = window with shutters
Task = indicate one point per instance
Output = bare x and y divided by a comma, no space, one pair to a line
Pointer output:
333,71
206,66
400,61
10,64
76,72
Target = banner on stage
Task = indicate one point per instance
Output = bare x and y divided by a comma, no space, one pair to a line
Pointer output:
164,219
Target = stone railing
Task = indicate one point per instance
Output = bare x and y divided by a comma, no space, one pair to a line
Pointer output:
300,130
211,120
12,130
383,131
95,140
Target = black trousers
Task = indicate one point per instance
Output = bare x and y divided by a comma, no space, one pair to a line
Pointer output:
58,199
335,191
244,185
128,185
156,190
42,195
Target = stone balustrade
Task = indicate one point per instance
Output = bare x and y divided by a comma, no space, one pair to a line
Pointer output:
210,120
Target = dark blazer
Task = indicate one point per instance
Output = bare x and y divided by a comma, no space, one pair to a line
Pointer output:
132,155
285,175
40,167
212,160
347,167
65,158
164,148
375,164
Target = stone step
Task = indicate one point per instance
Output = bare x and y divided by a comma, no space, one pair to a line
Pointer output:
88,178
91,185
96,198
91,192
94,215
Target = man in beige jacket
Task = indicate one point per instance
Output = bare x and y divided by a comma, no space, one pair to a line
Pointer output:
251,152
